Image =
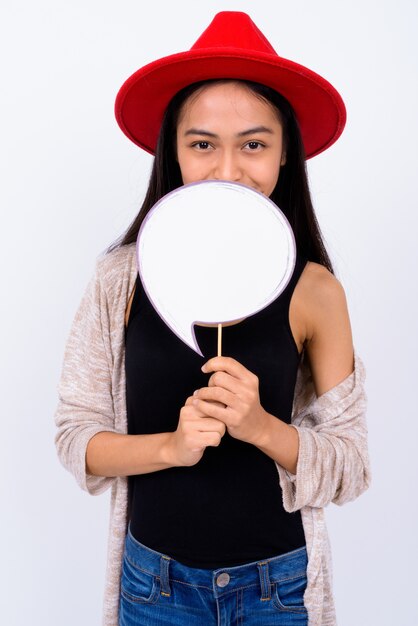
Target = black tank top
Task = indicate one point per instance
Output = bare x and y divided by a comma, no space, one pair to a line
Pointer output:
227,509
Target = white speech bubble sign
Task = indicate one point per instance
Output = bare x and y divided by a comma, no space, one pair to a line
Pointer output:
213,252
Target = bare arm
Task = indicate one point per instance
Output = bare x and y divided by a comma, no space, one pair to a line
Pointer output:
330,351
116,454
325,326
329,340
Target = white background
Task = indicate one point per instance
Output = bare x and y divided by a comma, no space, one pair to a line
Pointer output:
71,183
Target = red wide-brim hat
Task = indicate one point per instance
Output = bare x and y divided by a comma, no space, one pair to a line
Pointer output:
231,47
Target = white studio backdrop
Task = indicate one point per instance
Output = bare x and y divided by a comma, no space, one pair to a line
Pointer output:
71,183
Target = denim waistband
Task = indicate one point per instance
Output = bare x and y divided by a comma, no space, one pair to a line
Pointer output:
222,580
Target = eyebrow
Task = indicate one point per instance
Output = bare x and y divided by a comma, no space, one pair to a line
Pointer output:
243,133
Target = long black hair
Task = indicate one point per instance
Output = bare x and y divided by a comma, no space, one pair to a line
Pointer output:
291,193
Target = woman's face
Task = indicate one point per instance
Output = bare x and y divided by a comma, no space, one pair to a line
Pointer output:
225,132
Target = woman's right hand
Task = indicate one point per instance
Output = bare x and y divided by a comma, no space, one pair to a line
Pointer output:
195,431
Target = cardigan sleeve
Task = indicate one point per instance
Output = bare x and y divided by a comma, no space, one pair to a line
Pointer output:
333,462
85,405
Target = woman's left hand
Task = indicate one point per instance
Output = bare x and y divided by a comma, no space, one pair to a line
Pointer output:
236,388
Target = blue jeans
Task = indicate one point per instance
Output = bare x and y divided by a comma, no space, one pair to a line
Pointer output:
158,591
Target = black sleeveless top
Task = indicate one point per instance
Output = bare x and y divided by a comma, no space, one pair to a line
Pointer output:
227,509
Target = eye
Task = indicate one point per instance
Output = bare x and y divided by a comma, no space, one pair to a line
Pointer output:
201,145
254,145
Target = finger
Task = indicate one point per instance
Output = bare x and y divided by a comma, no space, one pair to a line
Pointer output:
228,382
207,439
189,402
210,425
215,394
213,410
229,365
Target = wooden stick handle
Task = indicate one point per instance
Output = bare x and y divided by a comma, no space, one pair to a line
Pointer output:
219,339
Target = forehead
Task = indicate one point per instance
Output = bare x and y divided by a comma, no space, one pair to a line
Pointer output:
231,99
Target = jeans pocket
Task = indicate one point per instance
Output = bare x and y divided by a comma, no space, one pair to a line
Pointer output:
288,594
138,585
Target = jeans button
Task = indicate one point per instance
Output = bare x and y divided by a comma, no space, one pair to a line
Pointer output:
223,579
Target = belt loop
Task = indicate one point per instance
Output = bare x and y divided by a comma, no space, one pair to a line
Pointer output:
165,585
263,570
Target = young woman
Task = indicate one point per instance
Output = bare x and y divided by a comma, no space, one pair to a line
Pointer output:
220,467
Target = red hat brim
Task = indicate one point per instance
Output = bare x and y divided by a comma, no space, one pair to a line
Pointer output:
143,98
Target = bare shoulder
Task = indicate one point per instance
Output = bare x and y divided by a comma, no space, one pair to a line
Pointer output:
320,296
328,338
317,280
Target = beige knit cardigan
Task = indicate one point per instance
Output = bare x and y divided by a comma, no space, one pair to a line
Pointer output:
333,463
